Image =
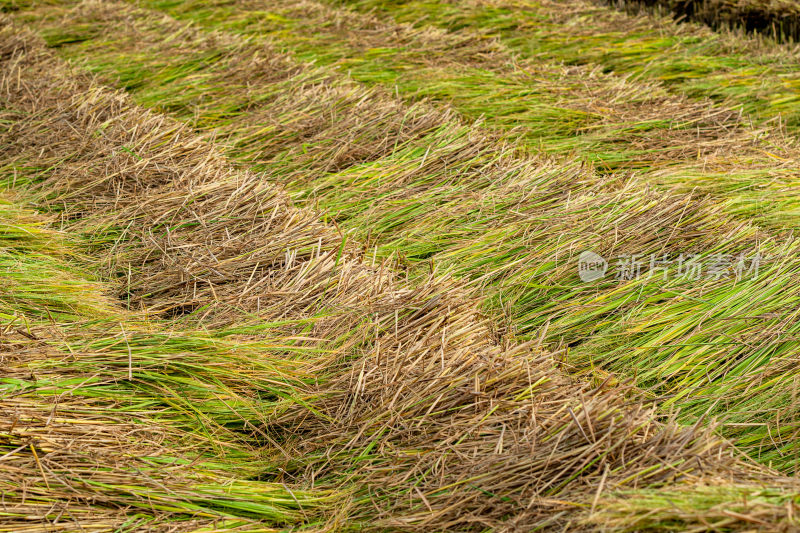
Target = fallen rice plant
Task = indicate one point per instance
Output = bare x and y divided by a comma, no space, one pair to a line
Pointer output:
413,409
423,187
735,70
115,423
779,19
575,112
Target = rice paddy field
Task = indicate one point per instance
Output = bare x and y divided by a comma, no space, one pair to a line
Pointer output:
387,265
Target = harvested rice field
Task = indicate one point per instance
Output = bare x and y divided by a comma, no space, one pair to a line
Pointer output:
371,265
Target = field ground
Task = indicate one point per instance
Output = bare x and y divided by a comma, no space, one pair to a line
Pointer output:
274,266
